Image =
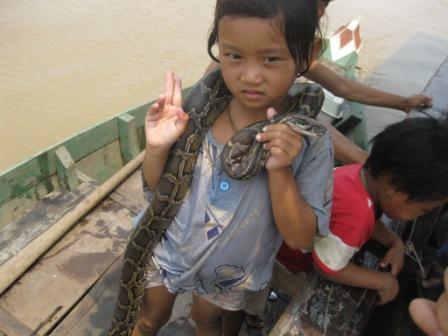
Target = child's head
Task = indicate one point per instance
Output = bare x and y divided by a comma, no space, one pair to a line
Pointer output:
323,4
409,162
297,19
263,45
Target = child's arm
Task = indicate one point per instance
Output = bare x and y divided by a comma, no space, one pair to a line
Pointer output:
294,217
353,275
164,123
352,90
345,150
396,249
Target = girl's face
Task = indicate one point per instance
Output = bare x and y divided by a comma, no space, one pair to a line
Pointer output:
255,61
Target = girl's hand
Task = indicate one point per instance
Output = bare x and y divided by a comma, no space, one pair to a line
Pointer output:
394,257
389,289
282,142
429,316
165,120
416,101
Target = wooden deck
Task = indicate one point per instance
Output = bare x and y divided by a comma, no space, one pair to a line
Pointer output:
80,271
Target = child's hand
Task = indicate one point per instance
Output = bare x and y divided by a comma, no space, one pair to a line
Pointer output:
416,101
394,257
389,289
429,316
165,120
282,142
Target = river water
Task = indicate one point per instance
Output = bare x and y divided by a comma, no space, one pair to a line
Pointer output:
66,65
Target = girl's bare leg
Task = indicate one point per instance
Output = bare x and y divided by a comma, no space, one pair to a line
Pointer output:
232,322
207,316
156,310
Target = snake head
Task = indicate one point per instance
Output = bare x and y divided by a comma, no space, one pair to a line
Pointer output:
303,125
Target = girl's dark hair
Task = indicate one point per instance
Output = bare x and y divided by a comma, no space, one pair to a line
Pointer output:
299,17
415,154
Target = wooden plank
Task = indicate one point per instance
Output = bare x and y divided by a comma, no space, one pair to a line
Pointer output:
18,234
39,168
132,189
139,113
93,313
127,133
17,207
70,268
65,169
103,163
128,203
9,326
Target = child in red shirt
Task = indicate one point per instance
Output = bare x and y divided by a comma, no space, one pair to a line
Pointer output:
404,177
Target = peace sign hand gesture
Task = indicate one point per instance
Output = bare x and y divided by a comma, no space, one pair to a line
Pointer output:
166,120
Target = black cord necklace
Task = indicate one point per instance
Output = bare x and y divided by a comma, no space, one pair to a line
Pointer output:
232,124
378,210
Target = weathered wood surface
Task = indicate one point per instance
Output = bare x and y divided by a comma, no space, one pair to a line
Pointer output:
133,191
38,169
92,315
18,234
16,208
66,169
9,326
127,131
70,268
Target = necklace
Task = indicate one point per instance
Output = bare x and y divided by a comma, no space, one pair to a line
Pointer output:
364,181
232,124
363,178
378,210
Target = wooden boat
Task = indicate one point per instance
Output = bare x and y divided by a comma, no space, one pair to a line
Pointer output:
66,214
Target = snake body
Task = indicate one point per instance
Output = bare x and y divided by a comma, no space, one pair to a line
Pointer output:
242,157
205,102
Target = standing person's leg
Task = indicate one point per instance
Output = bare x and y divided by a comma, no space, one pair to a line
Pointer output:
207,316
218,313
232,322
256,303
156,310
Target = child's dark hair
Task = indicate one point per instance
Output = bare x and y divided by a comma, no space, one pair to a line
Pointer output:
415,154
299,17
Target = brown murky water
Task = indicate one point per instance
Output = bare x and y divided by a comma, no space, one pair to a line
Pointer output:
66,65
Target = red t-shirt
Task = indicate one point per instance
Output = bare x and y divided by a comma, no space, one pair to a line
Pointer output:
351,224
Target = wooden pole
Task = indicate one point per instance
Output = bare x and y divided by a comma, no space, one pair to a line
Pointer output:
12,269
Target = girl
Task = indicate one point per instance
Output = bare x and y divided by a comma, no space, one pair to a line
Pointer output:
225,236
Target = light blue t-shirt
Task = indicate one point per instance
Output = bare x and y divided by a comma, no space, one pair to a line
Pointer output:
224,236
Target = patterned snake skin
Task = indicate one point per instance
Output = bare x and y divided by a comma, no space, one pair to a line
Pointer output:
205,102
